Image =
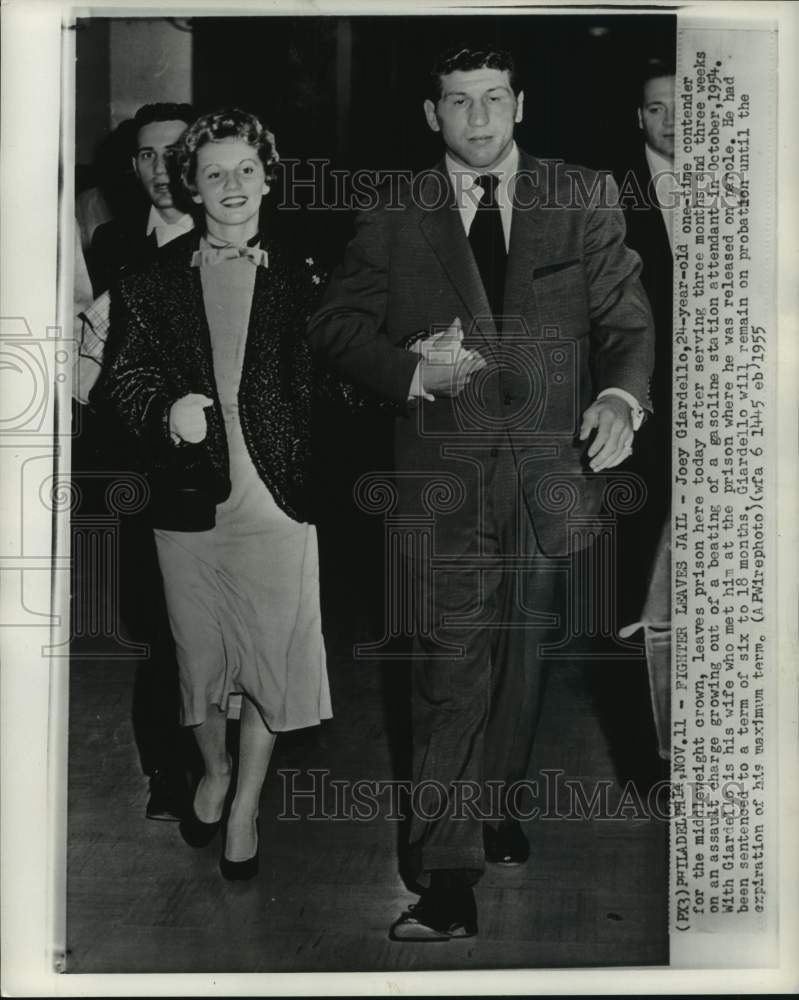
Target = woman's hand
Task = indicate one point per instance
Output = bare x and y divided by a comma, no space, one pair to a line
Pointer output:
187,418
446,366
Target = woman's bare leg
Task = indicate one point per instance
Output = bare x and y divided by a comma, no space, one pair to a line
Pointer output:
209,799
255,750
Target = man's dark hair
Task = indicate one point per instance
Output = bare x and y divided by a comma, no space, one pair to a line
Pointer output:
653,69
462,58
164,111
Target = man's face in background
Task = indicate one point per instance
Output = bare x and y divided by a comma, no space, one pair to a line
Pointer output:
154,143
656,115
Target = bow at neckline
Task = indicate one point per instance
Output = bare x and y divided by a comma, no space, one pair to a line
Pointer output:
215,253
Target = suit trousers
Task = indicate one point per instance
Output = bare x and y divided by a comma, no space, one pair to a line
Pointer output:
104,447
474,713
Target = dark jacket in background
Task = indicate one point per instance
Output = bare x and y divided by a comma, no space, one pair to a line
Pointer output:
118,246
647,235
651,459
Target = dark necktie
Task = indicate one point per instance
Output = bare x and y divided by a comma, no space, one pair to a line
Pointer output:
488,244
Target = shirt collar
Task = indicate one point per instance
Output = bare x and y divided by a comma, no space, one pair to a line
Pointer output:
155,220
658,164
464,178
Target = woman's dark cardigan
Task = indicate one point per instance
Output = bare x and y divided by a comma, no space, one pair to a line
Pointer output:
160,350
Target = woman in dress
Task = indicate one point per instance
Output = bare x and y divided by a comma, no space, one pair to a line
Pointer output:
209,367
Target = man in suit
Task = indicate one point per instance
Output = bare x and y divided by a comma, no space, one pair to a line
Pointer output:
117,247
500,309
648,193
155,219
648,196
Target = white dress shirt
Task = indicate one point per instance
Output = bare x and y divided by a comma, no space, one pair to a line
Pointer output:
165,232
468,193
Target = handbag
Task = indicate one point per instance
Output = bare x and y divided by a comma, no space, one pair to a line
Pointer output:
184,493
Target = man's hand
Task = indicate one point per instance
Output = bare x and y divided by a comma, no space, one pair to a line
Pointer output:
612,420
187,418
446,367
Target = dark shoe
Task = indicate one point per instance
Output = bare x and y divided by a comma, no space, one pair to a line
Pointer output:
505,845
167,799
194,831
440,915
240,871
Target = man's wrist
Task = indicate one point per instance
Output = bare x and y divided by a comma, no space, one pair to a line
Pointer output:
636,410
417,389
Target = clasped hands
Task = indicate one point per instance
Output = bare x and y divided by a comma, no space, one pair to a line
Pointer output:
446,366
446,369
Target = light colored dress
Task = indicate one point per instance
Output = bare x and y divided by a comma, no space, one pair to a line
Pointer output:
243,598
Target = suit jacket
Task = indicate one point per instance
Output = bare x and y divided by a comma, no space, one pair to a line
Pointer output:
641,559
159,350
647,235
576,322
117,246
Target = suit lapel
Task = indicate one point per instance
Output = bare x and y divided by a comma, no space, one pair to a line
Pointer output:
530,243
530,236
654,217
443,230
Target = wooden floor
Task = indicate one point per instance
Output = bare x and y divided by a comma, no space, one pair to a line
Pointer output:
139,900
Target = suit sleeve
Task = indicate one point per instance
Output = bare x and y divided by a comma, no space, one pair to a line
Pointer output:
100,257
622,329
133,381
348,332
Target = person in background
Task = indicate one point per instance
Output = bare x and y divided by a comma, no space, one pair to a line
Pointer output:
108,187
156,219
118,246
648,193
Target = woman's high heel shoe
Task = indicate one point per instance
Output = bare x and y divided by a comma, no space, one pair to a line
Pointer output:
194,831
241,871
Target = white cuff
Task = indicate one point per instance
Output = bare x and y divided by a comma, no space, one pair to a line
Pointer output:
417,389
632,402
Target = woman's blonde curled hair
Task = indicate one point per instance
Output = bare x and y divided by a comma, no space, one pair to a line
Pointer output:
230,123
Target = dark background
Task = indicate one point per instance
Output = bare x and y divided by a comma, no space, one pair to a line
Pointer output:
350,90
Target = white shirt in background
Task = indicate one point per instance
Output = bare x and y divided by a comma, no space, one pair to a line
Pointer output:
165,232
